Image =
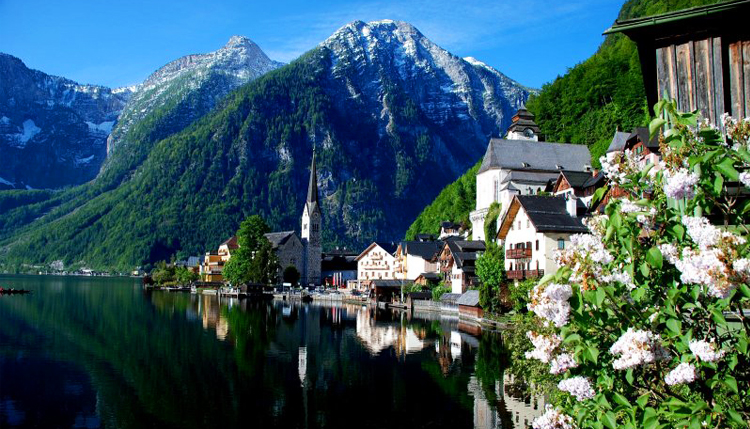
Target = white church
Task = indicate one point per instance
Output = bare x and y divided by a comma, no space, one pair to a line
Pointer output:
521,164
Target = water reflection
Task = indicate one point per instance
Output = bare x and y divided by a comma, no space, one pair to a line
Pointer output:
106,354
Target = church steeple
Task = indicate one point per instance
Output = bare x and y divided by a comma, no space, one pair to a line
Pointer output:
311,229
312,189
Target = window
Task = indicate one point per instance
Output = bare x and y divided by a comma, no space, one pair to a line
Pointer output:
519,224
511,245
560,243
528,223
537,245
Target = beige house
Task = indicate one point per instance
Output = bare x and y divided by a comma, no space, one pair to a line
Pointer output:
377,262
415,258
213,263
533,228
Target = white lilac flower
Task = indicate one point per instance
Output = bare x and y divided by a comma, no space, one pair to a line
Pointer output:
562,363
636,348
550,302
593,246
683,374
742,266
705,268
670,252
653,316
628,206
622,277
553,419
706,235
680,184
701,231
745,178
705,351
580,387
544,346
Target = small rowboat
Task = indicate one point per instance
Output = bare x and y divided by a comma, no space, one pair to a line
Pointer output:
13,291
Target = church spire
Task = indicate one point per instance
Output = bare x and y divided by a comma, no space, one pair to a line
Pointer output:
312,188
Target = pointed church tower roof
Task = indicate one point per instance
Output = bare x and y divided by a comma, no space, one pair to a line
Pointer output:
312,189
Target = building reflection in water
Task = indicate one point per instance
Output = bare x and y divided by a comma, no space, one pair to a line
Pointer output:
501,404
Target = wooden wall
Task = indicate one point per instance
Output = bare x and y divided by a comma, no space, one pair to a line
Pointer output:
710,74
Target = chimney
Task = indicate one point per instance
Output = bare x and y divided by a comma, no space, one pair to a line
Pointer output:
570,204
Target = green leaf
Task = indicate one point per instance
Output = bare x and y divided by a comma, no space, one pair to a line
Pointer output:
654,257
572,337
726,167
655,126
591,353
736,417
745,290
621,400
718,317
675,326
677,230
718,184
731,383
650,420
600,295
609,420
629,376
643,400
598,195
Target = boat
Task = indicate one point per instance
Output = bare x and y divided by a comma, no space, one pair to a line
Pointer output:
306,297
13,291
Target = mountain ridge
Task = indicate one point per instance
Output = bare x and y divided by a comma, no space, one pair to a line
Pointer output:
387,134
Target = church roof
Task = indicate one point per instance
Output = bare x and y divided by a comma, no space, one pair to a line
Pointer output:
534,156
279,238
312,189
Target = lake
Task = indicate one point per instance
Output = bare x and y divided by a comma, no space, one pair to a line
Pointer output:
87,352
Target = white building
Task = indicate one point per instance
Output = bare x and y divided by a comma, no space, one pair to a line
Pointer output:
377,262
533,228
522,166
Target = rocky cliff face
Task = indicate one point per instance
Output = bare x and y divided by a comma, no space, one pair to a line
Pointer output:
53,131
179,93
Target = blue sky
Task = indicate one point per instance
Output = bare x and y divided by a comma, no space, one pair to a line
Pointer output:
116,43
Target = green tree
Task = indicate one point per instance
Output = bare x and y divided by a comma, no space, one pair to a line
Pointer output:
491,272
184,276
163,273
255,261
291,275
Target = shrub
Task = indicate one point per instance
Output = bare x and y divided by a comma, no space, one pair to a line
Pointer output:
635,319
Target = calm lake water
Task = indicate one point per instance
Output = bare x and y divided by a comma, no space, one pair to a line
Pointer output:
86,352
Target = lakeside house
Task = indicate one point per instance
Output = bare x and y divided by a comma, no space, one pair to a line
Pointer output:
213,263
521,164
533,228
457,263
377,262
415,258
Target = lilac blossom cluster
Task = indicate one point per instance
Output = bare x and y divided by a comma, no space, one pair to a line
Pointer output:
562,363
706,266
680,184
637,348
684,373
550,302
553,419
705,351
580,387
544,346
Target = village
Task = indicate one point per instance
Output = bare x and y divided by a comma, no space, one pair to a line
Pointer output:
531,197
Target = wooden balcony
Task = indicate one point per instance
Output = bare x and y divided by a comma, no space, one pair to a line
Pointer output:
518,253
524,274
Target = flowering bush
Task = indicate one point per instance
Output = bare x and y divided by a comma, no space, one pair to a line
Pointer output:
634,324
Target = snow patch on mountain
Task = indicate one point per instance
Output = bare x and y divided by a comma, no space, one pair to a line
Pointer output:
5,182
29,131
105,127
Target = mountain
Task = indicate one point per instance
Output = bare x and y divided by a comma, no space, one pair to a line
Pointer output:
393,118
53,131
584,106
176,95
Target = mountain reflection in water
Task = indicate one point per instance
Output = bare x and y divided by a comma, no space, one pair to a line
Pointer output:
88,352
